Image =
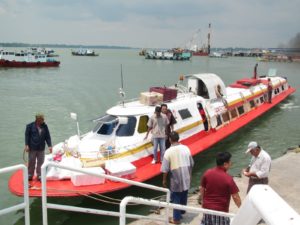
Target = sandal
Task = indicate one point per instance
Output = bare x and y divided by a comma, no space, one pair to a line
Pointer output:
174,221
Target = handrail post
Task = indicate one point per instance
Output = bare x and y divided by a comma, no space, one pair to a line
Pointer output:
26,195
25,204
123,204
168,198
44,193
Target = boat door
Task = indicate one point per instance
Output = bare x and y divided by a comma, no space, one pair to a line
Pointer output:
211,115
203,116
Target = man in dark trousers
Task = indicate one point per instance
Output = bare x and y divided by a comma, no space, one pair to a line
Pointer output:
170,126
260,165
216,189
178,162
270,90
36,135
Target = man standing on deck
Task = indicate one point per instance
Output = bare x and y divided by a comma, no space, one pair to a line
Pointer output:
179,162
170,126
260,165
36,134
270,90
157,124
216,189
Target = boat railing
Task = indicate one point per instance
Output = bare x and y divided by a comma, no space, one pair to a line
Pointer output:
46,205
160,204
261,203
25,204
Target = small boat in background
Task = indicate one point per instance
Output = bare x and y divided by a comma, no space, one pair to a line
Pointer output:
275,57
218,55
25,59
84,52
45,51
142,52
172,54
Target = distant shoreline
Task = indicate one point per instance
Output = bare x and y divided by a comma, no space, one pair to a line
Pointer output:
25,45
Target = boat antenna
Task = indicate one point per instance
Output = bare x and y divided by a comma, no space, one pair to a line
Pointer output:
255,71
208,38
121,91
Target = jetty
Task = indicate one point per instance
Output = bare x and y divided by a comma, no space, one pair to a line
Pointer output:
283,179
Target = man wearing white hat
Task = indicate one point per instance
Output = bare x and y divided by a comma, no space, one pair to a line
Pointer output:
259,167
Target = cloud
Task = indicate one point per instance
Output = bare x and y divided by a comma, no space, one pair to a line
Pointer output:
155,23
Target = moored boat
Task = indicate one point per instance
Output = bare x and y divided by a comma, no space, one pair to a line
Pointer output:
116,145
171,54
84,52
217,55
26,59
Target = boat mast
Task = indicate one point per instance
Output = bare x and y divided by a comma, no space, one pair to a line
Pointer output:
121,91
208,38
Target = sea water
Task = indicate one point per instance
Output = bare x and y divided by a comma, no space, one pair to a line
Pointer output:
90,85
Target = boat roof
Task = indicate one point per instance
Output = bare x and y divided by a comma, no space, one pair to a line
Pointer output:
132,108
210,80
136,108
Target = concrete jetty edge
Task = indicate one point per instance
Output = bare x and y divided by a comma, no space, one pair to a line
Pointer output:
284,179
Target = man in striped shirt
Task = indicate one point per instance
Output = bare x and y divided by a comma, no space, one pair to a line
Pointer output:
178,162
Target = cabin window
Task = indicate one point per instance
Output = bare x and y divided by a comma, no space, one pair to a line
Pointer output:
233,113
128,128
107,128
225,117
282,87
241,110
257,101
142,127
261,99
278,90
219,121
184,113
252,104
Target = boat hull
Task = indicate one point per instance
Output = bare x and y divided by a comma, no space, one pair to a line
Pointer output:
145,170
200,54
6,63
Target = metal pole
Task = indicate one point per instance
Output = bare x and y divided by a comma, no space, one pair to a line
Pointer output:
26,195
78,131
44,194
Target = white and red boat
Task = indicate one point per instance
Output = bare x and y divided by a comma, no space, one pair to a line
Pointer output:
116,145
26,59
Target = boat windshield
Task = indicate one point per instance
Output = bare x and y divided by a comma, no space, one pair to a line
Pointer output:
106,125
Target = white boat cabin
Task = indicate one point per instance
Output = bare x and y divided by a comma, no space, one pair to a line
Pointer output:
204,104
23,56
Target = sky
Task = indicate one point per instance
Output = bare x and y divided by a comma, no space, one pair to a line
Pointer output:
151,23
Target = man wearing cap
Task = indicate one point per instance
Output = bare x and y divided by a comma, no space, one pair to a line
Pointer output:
157,124
36,135
259,167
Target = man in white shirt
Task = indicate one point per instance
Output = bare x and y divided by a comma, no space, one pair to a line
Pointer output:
259,167
157,125
178,163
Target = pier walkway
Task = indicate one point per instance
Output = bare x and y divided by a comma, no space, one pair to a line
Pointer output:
284,179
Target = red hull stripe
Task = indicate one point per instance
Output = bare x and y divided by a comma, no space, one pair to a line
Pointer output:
5,63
